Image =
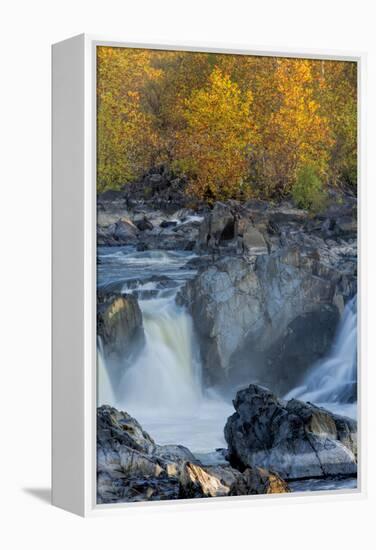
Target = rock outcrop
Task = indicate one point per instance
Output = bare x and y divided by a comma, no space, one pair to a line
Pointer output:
295,439
122,231
132,467
147,229
261,316
119,324
273,291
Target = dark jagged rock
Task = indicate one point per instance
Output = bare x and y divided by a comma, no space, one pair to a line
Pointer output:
306,340
143,224
251,314
295,439
273,290
217,227
158,188
123,231
272,279
168,223
132,467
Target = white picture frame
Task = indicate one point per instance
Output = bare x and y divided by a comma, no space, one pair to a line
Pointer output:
74,275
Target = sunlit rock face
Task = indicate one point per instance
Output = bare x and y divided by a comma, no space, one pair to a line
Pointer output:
119,322
132,467
293,438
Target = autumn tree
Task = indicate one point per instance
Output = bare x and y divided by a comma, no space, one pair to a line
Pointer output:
214,147
164,97
235,125
126,141
335,84
296,134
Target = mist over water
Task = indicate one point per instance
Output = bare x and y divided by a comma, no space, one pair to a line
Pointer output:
105,394
162,388
167,374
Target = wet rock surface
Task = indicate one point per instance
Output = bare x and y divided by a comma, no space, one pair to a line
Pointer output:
295,439
273,291
272,280
131,467
119,323
267,287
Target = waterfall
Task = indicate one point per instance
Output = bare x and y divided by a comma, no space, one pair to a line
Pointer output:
161,387
167,374
105,392
333,380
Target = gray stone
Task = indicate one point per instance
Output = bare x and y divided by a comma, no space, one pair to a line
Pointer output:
125,231
119,324
246,310
131,467
294,439
254,242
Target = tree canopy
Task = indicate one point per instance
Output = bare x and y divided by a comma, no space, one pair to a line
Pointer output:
237,126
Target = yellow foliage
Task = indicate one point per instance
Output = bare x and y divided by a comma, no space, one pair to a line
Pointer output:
295,134
215,142
236,125
126,141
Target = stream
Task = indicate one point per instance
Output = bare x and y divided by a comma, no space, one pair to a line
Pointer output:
162,388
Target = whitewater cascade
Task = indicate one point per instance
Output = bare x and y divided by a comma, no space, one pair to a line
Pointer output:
162,385
167,374
332,381
105,394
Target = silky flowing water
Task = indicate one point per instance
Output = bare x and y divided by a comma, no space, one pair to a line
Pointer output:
331,383
162,387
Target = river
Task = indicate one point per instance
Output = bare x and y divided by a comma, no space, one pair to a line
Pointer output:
162,387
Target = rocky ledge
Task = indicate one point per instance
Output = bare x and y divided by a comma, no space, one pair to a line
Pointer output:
272,280
119,323
132,467
297,440
274,290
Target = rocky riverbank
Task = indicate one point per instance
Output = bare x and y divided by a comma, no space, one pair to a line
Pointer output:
264,286
270,443
271,284
131,467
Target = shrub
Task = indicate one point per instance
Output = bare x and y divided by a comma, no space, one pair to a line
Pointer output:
308,191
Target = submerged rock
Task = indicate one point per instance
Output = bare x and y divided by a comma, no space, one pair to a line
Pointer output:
132,467
296,439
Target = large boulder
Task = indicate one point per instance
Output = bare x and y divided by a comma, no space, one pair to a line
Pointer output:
121,232
132,467
295,439
251,314
119,324
215,298
125,231
213,481
253,241
218,226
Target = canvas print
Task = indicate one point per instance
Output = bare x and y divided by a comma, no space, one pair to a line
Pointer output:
226,275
